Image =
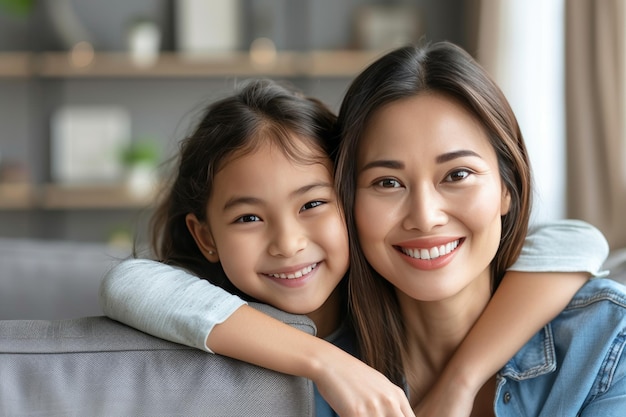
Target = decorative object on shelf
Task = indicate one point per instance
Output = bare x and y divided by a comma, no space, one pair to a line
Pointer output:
66,23
16,189
85,142
386,25
263,53
205,26
144,42
81,55
140,159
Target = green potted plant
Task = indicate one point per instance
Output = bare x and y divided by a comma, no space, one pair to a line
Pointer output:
140,160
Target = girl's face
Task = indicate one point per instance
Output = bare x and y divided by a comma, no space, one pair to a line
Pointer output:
276,227
429,197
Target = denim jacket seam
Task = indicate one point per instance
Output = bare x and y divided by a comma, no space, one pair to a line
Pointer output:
606,374
605,295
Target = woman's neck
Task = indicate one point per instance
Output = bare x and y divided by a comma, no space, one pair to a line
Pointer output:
435,329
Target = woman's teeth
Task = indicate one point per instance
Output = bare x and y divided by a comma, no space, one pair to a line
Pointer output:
431,253
297,274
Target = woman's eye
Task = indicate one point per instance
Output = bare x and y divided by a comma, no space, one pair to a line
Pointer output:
248,218
458,175
312,204
388,183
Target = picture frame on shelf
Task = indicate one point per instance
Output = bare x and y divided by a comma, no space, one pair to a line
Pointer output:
85,144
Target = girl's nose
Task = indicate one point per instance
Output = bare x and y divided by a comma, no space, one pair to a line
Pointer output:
424,209
287,239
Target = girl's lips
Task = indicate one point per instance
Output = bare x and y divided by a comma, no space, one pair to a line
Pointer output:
293,274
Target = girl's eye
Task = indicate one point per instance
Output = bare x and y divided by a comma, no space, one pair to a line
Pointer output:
388,183
248,218
458,175
312,204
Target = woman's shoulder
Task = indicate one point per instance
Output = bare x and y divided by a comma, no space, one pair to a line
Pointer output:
600,290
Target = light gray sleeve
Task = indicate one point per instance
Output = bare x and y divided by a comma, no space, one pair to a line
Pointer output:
563,246
165,301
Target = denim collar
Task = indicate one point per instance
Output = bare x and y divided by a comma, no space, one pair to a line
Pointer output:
537,357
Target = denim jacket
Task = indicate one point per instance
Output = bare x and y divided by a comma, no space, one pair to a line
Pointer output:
575,366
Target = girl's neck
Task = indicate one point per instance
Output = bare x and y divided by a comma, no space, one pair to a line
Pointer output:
328,317
435,329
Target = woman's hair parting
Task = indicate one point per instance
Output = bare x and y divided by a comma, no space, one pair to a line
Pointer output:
441,68
259,112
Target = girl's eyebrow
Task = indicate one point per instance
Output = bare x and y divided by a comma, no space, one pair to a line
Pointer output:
248,200
309,187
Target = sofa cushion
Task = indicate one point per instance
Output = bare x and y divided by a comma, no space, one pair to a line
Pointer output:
94,366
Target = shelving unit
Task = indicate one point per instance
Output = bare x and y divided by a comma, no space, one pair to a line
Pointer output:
162,99
119,66
113,65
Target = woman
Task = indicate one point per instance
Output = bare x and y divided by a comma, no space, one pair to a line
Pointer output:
437,202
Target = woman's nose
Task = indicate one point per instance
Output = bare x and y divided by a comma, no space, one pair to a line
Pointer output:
424,209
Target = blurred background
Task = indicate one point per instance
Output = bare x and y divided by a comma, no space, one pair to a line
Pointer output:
94,97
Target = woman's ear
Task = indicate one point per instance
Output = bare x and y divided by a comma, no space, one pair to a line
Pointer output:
202,235
505,201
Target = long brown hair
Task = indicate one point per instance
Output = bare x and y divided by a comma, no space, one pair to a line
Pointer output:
258,112
406,72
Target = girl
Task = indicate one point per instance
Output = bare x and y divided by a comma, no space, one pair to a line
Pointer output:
435,181
192,231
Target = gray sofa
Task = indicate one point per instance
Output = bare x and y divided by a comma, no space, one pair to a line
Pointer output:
60,357
94,366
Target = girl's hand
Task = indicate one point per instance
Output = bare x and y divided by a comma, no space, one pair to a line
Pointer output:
354,389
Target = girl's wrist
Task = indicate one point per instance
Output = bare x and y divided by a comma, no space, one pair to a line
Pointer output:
463,379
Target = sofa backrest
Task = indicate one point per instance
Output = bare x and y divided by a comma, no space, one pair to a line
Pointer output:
95,366
52,279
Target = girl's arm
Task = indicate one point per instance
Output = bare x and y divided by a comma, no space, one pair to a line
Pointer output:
557,259
172,304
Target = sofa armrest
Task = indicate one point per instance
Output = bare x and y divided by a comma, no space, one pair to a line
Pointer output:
97,366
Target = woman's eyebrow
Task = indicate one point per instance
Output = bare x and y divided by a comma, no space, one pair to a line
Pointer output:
448,156
383,163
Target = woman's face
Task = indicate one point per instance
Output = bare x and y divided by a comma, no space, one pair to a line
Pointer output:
429,197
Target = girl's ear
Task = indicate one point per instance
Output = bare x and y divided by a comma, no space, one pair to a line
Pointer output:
202,235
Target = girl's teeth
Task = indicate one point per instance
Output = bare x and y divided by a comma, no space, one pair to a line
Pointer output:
432,253
297,274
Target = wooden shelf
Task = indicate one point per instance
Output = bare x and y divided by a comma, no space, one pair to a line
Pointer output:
176,65
17,196
74,197
81,197
16,65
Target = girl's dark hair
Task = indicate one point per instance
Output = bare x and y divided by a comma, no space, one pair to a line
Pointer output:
405,72
260,111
